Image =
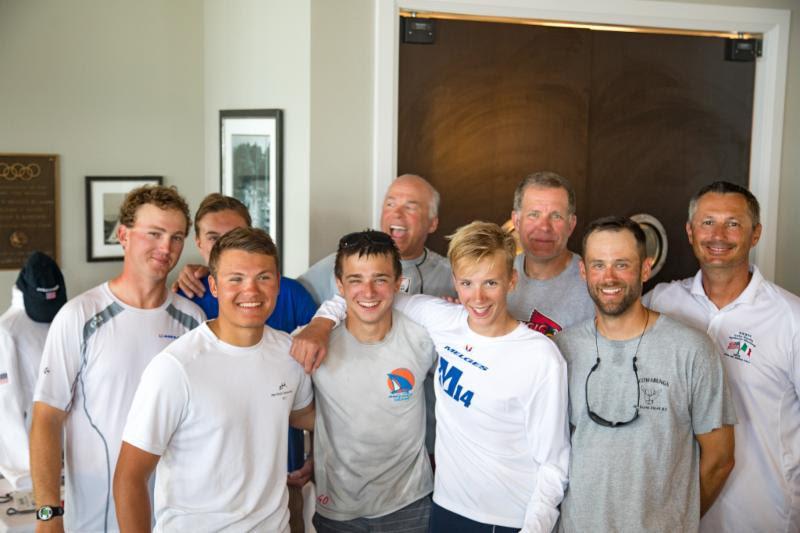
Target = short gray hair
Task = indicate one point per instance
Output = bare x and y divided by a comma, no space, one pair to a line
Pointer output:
433,208
726,187
545,179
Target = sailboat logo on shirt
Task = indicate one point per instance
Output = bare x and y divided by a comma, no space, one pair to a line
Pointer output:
401,384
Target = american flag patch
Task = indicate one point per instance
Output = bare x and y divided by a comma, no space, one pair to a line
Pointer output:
50,295
3,378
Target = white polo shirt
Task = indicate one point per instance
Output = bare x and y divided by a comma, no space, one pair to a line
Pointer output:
758,337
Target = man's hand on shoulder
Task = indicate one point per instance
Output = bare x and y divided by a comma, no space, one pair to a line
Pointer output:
310,345
189,280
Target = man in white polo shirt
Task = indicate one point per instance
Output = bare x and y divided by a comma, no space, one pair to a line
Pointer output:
212,410
756,327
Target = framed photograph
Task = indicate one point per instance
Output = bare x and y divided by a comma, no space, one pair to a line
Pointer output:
104,196
251,164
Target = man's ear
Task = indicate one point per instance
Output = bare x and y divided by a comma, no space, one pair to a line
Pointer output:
339,286
647,268
122,235
582,267
434,224
573,221
212,285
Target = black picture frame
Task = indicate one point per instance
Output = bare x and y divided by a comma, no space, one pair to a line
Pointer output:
104,196
251,164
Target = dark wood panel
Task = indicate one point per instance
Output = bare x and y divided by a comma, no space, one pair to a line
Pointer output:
668,115
487,104
637,122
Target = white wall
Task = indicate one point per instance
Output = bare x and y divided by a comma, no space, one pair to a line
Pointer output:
257,55
341,121
114,88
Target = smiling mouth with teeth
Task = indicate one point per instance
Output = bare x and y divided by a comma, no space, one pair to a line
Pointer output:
397,229
368,305
249,305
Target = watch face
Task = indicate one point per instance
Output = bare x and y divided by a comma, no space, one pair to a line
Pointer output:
45,513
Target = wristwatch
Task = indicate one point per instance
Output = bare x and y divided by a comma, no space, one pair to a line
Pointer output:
48,512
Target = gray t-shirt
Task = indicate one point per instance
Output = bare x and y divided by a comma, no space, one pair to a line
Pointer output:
549,306
369,450
644,476
427,274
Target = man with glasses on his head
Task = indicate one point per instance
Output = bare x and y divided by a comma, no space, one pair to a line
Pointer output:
651,413
372,470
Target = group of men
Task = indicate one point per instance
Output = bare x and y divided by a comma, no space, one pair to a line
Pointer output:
652,404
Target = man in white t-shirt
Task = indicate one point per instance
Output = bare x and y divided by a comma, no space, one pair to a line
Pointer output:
96,350
755,326
212,410
550,293
372,469
502,446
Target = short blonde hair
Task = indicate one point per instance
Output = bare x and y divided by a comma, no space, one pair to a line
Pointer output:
479,240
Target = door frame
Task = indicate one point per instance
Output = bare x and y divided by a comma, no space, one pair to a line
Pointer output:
768,98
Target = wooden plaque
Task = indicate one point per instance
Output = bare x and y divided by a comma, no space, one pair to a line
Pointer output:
28,207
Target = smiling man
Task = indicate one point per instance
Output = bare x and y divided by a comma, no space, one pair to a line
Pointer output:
550,294
372,470
96,350
409,214
502,442
755,326
212,410
652,443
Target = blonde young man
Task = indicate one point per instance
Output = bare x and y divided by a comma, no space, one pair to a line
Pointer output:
212,410
96,350
502,446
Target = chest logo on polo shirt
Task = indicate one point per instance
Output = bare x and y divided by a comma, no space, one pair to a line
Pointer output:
543,324
401,384
740,347
405,284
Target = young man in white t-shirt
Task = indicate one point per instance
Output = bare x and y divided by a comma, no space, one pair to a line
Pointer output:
96,350
502,440
212,410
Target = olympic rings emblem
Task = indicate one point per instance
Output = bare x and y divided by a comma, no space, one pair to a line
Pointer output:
15,171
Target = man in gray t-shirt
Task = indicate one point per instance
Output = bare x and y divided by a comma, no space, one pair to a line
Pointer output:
550,294
651,411
371,467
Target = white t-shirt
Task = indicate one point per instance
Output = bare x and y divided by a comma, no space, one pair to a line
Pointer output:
98,347
217,415
758,338
502,435
21,344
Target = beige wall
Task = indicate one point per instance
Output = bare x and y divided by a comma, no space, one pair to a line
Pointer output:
341,121
115,88
257,55
787,271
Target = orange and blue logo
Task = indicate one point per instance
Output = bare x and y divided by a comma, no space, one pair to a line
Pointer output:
401,383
